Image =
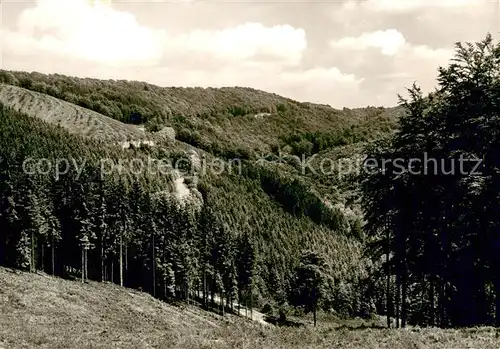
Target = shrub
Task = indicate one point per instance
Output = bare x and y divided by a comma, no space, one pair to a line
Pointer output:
281,108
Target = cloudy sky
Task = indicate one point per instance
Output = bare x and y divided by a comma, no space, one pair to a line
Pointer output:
342,53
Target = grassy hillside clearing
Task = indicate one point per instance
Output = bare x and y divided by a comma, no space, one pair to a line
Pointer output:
76,119
40,311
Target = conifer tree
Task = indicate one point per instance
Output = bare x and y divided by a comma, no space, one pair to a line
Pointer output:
83,221
310,280
101,226
245,266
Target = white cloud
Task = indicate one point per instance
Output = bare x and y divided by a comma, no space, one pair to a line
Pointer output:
244,42
441,55
397,64
389,41
95,31
92,31
330,75
407,5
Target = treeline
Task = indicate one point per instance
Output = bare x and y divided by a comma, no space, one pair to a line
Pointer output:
310,143
140,103
433,210
119,103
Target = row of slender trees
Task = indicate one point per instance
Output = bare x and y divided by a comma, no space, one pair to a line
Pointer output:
432,196
126,236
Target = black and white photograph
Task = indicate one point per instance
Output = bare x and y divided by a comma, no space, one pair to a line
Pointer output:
250,174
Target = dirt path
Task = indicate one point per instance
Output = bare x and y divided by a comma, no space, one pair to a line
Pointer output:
253,315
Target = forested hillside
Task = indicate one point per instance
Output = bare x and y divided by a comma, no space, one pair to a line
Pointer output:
244,242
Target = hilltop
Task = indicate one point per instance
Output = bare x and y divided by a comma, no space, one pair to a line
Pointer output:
229,122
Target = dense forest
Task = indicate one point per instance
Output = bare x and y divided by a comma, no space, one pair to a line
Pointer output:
420,248
437,221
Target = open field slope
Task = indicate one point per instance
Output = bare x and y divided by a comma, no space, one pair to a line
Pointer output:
40,311
76,119
43,311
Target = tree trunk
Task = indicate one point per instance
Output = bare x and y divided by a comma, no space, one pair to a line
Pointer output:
388,284
431,302
314,313
404,292
397,297
442,305
497,301
165,294
212,295
102,257
87,265
222,303
205,293
121,259
251,301
32,264
482,307
83,264
53,257
42,252
126,263
153,268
